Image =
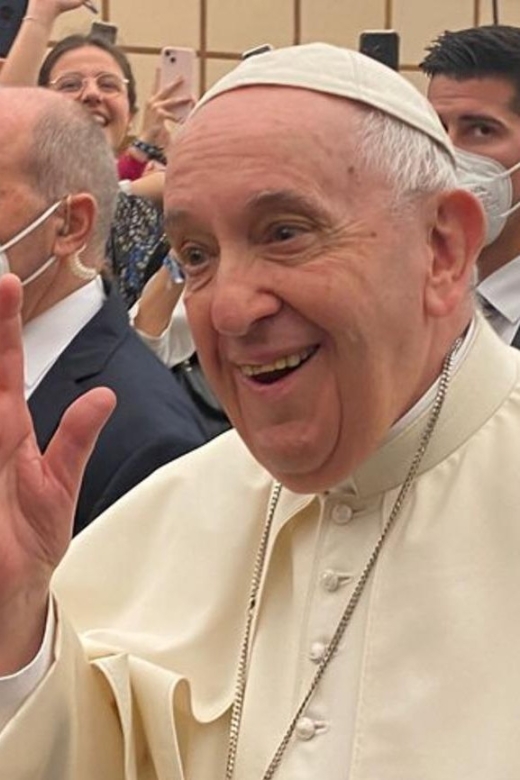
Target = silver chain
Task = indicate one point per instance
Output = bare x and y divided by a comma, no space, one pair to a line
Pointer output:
240,688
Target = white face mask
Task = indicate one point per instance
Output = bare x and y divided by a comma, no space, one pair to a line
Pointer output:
4,261
491,183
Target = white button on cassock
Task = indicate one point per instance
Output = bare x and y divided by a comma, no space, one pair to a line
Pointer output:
341,514
317,652
330,580
305,729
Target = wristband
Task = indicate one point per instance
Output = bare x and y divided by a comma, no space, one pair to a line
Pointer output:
33,19
150,150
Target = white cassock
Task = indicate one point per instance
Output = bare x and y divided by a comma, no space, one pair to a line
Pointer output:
426,682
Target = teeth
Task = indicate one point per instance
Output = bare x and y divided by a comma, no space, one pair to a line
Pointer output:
290,361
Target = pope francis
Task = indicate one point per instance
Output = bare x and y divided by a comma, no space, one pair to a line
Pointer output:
329,590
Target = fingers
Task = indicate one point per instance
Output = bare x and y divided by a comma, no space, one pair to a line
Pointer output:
182,101
10,296
156,81
71,446
168,104
168,109
168,88
11,350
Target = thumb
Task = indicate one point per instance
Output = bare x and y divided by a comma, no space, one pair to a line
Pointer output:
71,446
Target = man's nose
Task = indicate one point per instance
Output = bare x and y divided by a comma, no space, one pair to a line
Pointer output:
240,301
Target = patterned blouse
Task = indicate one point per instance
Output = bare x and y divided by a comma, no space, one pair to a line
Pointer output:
137,244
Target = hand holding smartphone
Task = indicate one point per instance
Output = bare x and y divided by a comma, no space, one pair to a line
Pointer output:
175,63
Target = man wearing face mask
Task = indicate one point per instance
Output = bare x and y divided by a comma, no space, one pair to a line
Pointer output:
58,190
475,89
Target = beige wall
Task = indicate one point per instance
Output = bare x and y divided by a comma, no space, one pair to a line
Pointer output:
221,29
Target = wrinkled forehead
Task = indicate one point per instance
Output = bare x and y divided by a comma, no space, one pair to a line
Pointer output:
285,115
268,146
264,137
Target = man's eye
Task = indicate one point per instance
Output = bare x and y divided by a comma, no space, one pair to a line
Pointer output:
285,232
192,258
482,131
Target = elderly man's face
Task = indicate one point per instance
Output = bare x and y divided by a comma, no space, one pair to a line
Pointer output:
305,291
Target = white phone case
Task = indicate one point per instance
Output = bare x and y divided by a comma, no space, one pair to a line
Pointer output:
177,61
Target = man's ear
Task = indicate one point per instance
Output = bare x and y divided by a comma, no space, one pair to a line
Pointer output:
456,239
78,219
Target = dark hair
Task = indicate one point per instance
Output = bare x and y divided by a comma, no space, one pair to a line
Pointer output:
72,42
490,50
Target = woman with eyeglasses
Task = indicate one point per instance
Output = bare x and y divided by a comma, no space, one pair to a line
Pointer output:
96,73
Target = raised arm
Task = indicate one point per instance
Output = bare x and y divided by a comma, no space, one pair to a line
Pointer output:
23,62
37,492
153,140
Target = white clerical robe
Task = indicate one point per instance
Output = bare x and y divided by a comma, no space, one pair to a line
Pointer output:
426,682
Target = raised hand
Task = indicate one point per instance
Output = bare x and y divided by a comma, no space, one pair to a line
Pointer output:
22,64
162,106
49,10
37,492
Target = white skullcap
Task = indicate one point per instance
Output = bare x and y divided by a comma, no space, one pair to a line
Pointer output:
336,71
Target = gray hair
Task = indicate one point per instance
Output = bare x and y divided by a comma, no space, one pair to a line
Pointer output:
69,154
411,162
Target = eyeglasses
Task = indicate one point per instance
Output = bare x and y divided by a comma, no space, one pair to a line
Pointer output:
75,83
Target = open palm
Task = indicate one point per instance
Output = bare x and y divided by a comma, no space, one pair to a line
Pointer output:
37,492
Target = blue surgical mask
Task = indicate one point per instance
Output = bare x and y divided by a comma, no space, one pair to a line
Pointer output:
491,183
4,261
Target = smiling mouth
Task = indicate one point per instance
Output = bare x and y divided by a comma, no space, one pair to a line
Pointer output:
269,373
99,119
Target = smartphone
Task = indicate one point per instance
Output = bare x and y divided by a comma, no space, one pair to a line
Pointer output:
11,15
381,45
177,61
104,30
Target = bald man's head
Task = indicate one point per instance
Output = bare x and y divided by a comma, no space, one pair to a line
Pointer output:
59,149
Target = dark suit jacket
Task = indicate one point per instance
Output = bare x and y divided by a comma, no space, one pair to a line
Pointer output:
153,423
516,340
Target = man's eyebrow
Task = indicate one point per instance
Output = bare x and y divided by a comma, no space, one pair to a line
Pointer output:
474,117
174,217
260,201
282,199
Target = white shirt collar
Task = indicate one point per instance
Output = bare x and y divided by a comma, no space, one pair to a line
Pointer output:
48,335
417,409
502,290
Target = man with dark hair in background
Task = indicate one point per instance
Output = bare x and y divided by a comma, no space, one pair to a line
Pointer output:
475,89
